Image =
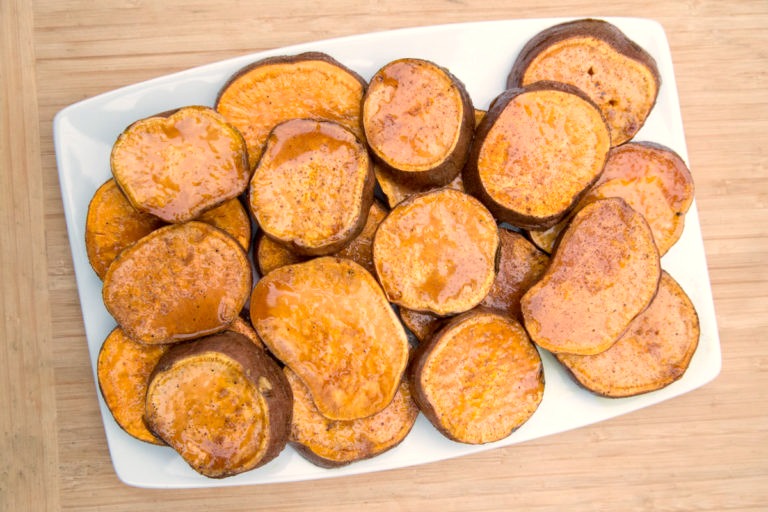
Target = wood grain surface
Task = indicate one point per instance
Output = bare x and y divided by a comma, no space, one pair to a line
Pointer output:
707,450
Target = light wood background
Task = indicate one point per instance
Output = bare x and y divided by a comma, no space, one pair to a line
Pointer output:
707,450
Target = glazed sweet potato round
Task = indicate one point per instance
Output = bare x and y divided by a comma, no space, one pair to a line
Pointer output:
273,90
418,120
328,320
535,154
655,350
479,378
598,58
231,217
269,255
112,224
313,187
179,282
221,402
333,443
605,271
437,252
122,370
180,165
652,179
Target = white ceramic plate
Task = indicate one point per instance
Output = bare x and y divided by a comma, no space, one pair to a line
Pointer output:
480,54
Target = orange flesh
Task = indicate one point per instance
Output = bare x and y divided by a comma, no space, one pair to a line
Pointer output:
543,150
437,252
520,266
413,114
112,225
482,378
397,192
421,324
605,271
360,249
231,217
311,184
267,95
328,320
243,327
123,369
623,88
271,255
179,282
341,442
207,410
178,167
654,352
653,181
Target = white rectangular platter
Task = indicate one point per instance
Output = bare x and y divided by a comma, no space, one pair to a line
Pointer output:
480,54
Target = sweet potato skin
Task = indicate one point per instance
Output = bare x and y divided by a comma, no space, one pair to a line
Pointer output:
329,321
180,282
590,80
216,430
178,166
311,93
331,443
500,170
605,271
313,187
654,352
400,104
478,378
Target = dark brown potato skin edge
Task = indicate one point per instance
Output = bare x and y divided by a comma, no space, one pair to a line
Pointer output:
453,163
471,174
256,363
589,27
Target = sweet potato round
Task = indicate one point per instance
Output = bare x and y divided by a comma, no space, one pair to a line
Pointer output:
479,378
655,350
360,249
313,187
604,272
308,85
179,282
123,368
221,402
112,224
535,154
231,217
418,120
437,252
598,58
180,165
329,321
333,443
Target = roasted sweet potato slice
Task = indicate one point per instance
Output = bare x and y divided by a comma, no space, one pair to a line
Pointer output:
112,224
333,443
309,85
179,282
270,255
396,192
123,369
535,154
221,402
230,216
329,321
180,165
422,324
521,265
604,272
479,378
598,58
652,179
360,249
418,120
437,252
655,350
242,326
313,186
